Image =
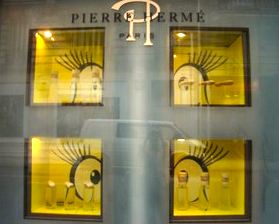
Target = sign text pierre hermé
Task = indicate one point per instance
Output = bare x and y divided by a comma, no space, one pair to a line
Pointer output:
130,17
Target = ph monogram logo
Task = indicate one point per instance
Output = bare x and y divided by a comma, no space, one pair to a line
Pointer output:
130,17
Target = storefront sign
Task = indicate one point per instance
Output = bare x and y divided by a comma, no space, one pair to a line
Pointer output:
147,18
130,17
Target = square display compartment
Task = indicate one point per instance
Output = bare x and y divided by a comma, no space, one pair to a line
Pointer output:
66,66
210,66
63,178
210,180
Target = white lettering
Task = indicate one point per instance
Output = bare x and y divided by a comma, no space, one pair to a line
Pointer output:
130,17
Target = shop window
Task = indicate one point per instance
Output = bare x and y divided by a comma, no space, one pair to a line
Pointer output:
210,180
210,67
66,66
63,178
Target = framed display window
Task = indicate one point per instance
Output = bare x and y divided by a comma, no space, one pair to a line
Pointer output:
63,178
66,66
210,180
210,66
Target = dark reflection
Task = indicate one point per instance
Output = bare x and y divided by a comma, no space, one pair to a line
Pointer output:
11,116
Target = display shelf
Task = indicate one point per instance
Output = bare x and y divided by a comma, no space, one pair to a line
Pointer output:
78,210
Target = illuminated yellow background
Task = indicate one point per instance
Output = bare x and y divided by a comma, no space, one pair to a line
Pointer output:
233,69
47,50
233,164
47,166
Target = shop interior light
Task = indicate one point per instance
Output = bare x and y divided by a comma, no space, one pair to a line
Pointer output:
174,56
181,140
52,39
181,35
197,143
47,34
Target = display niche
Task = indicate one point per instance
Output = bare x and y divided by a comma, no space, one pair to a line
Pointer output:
210,180
66,66
63,178
210,67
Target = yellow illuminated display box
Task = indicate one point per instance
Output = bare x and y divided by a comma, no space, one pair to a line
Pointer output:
63,178
210,67
210,180
66,66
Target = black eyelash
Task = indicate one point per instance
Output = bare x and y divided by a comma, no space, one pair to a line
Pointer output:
71,152
204,62
74,153
76,60
204,156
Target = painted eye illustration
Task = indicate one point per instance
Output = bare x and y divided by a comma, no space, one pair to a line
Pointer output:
86,84
192,75
196,162
85,167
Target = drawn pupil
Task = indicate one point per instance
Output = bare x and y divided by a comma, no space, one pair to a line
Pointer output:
183,79
95,176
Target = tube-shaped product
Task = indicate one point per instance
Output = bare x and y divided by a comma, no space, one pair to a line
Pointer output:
204,192
96,90
88,196
74,85
51,195
182,190
69,202
53,94
225,197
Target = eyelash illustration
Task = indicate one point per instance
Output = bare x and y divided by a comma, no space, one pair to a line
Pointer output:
75,60
196,162
204,156
204,62
81,65
85,167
